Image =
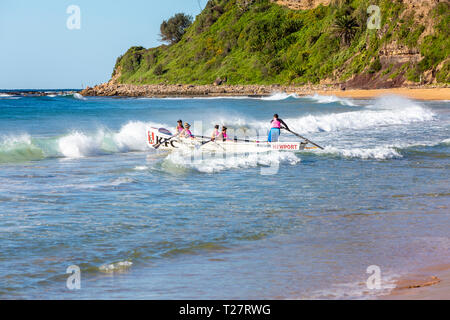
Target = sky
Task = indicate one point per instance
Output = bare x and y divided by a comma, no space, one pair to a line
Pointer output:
39,51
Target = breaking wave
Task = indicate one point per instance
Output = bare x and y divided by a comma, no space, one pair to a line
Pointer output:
278,96
331,99
76,144
79,96
377,153
384,112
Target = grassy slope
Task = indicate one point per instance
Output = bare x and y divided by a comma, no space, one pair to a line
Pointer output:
270,44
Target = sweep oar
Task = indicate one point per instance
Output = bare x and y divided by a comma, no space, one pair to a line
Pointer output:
307,140
156,146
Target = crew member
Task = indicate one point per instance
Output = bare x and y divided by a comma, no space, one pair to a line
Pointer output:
275,128
179,126
215,133
186,133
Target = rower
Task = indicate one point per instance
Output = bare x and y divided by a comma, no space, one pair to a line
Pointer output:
275,126
223,134
186,133
215,133
179,126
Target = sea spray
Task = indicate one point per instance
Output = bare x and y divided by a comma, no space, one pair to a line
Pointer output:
78,145
131,136
331,99
399,111
207,163
278,96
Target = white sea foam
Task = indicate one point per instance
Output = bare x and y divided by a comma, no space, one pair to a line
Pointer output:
78,145
131,136
385,112
141,168
5,95
10,141
79,96
277,96
212,164
199,98
332,99
378,153
357,290
116,267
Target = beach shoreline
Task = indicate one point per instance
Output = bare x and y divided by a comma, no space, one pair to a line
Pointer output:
113,89
431,283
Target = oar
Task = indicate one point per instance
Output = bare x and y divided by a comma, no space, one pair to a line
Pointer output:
307,140
243,140
203,143
156,146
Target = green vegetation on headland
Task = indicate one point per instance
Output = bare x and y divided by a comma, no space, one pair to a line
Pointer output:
259,42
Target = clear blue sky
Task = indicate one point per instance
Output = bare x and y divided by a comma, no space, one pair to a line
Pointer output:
37,50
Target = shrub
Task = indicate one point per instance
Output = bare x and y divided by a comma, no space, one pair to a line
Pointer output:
375,66
159,70
173,29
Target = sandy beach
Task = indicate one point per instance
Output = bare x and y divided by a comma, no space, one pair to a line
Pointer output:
432,283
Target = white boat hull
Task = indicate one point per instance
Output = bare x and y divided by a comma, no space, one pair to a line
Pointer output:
163,140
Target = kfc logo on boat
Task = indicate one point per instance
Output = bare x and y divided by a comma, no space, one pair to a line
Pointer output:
151,137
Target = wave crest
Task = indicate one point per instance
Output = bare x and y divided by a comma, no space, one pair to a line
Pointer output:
331,99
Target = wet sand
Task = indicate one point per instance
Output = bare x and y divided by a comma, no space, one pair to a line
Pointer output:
428,284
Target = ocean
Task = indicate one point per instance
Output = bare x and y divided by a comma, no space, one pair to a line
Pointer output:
80,187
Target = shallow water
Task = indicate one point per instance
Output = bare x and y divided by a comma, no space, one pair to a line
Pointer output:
79,186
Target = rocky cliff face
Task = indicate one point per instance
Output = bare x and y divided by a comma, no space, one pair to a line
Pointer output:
301,4
420,6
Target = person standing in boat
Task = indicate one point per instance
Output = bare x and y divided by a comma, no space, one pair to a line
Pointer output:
215,133
275,128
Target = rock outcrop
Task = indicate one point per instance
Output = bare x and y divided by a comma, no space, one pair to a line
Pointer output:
167,90
301,4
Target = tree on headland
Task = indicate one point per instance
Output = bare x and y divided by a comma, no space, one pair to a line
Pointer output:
173,29
345,27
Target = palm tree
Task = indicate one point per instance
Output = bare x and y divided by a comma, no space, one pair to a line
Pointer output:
345,27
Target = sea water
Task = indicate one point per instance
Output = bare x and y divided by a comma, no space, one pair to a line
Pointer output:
80,187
